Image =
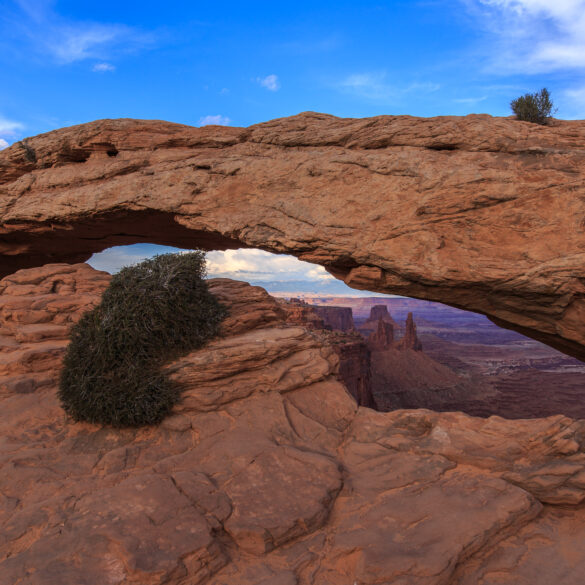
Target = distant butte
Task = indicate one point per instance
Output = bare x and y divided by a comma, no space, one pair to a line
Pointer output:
482,213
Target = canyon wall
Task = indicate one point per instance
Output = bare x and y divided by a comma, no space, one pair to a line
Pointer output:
481,213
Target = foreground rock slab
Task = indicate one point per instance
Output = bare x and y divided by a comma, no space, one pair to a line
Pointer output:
481,213
267,472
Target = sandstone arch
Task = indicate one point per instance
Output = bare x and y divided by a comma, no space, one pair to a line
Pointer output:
486,214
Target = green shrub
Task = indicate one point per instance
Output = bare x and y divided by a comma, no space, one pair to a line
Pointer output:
534,107
151,313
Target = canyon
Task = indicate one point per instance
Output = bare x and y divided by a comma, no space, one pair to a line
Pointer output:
267,472
467,364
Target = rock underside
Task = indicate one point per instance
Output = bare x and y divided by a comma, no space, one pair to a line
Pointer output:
267,472
485,214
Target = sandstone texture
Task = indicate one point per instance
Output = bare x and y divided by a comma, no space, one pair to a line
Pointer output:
481,213
268,472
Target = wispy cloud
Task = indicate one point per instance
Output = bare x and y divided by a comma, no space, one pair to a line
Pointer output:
36,23
373,86
103,67
368,85
470,100
3,144
532,36
9,127
217,120
270,82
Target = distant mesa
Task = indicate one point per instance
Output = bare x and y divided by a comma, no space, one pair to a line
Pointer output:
339,318
378,312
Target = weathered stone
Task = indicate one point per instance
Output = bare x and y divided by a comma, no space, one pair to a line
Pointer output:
478,212
268,472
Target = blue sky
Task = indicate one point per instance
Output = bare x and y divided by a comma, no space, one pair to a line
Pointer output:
240,63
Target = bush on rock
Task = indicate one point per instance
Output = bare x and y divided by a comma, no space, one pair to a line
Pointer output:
150,313
534,107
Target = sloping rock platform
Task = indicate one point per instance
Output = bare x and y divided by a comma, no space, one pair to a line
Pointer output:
482,213
267,472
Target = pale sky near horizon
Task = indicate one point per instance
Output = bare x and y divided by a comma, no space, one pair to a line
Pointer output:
67,62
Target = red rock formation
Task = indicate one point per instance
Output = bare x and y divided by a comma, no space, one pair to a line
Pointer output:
336,318
267,472
298,313
383,337
410,339
354,365
378,312
354,356
37,308
478,212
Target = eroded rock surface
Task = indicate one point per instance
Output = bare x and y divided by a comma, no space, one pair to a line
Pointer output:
268,473
481,213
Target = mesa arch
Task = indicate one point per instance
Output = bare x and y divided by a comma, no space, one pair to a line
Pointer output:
482,213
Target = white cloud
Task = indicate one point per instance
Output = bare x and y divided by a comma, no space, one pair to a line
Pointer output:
3,144
103,67
270,82
260,266
217,120
276,273
533,36
9,127
245,264
68,41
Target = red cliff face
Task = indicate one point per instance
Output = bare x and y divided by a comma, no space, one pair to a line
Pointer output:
410,339
354,366
302,314
354,356
383,337
336,318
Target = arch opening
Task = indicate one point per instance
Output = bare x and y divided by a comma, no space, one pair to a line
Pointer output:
447,359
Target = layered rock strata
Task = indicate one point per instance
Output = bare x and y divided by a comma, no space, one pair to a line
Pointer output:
268,473
478,212
353,353
336,318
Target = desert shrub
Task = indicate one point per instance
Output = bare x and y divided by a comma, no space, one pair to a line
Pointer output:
150,313
534,107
